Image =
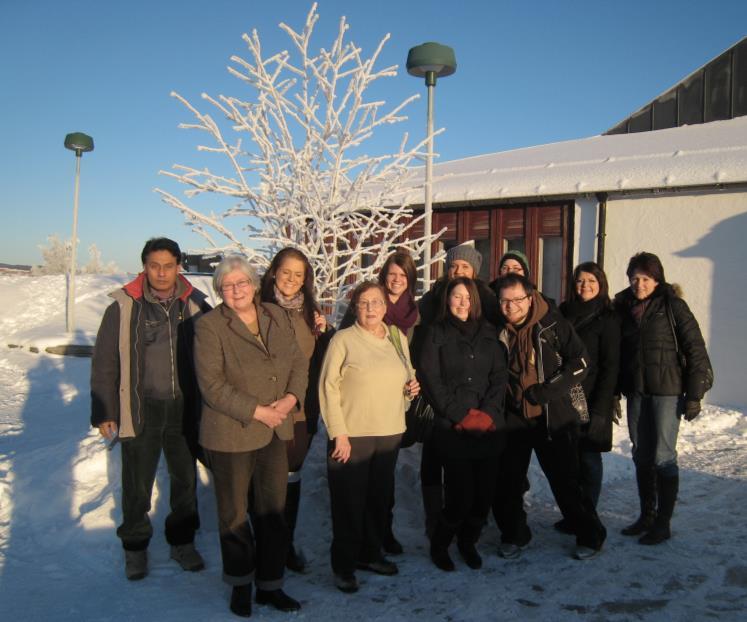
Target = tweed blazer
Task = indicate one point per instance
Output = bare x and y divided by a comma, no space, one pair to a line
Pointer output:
237,373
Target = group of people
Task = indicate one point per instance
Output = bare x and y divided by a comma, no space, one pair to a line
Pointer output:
504,370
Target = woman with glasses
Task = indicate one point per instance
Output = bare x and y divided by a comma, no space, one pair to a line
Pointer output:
251,375
363,391
289,283
463,369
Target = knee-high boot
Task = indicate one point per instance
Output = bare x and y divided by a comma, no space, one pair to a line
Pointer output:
295,560
667,487
440,541
646,480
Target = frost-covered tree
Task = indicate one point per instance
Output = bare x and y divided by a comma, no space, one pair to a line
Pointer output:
294,164
95,265
55,255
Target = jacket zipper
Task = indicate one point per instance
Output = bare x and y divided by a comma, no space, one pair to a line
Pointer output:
137,360
541,375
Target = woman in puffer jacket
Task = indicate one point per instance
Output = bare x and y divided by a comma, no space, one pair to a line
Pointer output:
589,310
664,373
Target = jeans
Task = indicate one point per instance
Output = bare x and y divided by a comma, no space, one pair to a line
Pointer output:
653,424
162,431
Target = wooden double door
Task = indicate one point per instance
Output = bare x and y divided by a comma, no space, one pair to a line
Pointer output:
541,232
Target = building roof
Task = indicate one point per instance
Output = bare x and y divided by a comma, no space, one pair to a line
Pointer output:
699,155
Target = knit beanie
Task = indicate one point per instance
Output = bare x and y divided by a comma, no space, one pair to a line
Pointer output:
466,252
516,256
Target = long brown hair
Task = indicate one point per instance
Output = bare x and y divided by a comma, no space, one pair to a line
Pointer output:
475,306
592,268
267,287
404,260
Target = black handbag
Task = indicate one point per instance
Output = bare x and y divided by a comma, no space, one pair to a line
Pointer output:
419,416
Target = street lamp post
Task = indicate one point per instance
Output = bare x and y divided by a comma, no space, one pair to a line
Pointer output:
80,143
430,60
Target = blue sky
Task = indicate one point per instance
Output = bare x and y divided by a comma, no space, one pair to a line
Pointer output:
528,73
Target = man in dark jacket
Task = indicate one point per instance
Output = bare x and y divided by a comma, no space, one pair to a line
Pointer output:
545,359
143,393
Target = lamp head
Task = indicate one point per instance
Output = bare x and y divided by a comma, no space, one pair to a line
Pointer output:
79,142
431,60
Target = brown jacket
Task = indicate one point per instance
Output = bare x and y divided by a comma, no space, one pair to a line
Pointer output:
236,374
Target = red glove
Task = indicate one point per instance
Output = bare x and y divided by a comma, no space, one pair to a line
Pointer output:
476,421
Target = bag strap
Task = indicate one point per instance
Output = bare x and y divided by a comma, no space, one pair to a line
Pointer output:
397,343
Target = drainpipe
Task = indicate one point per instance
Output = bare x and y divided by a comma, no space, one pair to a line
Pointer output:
601,227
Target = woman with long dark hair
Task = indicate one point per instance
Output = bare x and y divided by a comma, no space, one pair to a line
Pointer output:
463,371
589,310
289,283
664,373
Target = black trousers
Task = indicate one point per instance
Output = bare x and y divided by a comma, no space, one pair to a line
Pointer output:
469,489
558,457
163,432
359,493
252,555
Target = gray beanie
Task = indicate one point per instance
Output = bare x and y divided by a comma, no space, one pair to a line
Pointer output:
466,252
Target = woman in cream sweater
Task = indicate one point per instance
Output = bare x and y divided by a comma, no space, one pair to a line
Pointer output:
363,391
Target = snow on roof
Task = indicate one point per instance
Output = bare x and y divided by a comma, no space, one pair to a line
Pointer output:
696,155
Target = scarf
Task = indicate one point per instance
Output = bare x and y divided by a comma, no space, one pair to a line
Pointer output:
403,314
293,302
522,364
468,328
580,313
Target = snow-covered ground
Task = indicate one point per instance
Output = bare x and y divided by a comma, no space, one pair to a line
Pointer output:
59,506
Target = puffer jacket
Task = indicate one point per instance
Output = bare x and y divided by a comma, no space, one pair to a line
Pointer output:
651,361
562,362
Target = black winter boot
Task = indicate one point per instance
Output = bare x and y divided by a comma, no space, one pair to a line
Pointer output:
433,502
467,537
444,534
295,560
646,480
660,531
241,600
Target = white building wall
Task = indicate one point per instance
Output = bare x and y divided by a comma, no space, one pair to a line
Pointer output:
701,239
585,230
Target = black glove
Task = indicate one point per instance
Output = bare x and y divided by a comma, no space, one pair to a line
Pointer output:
692,409
617,411
536,395
598,429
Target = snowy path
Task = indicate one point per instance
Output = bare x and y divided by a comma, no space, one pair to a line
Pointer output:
60,558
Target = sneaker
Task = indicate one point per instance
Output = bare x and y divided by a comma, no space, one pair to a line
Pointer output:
136,564
241,600
380,566
585,552
346,583
187,557
278,599
509,550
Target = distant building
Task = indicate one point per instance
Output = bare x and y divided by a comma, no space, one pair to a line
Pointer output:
680,192
203,264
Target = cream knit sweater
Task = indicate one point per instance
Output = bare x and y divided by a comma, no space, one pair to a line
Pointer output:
361,387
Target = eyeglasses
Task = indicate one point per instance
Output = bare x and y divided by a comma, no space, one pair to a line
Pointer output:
370,304
504,302
235,287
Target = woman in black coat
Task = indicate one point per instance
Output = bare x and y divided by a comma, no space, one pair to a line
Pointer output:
664,373
463,374
589,310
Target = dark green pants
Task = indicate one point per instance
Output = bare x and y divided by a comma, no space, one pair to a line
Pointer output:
163,432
